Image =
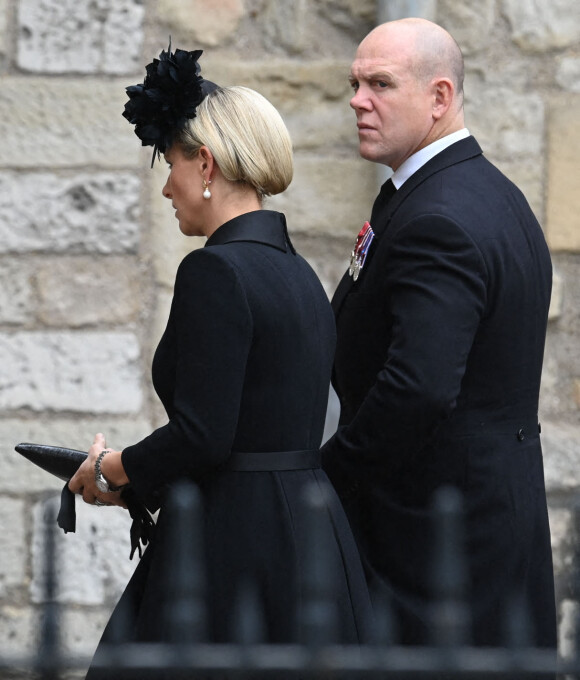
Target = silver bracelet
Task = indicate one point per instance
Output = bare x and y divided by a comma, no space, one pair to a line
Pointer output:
101,481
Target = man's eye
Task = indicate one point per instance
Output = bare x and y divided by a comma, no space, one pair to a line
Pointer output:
354,86
381,83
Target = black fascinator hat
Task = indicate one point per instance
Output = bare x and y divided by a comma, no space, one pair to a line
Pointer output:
160,107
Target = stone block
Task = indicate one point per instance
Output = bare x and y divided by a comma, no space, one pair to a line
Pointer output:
59,123
566,266
529,175
82,629
460,18
560,447
159,322
563,198
312,97
356,16
557,300
285,25
568,629
20,476
80,36
542,26
328,197
560,532
205,21
93,563
18,626
13,546
328,257
509,125
3,31
16,298
95,372
576,388
568,74
84,213
561,361
84,291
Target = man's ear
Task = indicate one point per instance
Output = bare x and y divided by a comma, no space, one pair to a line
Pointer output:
443,93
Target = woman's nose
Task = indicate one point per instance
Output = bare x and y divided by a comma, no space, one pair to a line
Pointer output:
166,190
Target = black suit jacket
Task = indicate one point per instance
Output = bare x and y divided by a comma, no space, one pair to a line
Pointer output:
438,364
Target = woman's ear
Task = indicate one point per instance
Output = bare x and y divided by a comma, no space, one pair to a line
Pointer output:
207,163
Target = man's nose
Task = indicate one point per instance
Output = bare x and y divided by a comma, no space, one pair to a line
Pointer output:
360,100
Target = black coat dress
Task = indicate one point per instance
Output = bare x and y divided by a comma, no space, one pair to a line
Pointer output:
243,366
438,364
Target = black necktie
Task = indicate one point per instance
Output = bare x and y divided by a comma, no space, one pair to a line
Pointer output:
388,190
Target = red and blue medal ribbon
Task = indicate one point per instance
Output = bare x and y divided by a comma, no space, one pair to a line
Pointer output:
361,248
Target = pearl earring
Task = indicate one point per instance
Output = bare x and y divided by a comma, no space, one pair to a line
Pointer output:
206,192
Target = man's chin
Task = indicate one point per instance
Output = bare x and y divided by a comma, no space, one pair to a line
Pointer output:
371,155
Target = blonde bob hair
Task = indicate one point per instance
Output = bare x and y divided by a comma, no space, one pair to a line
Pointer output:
246,136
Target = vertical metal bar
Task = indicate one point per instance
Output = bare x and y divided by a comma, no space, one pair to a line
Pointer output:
249,630
249,626
185,613
385,629
450,617
319,611
389,10
574,588
48,659
517,625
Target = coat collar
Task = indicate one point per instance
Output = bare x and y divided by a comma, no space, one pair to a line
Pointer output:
259,226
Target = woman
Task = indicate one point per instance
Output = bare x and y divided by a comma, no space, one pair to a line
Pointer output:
242,369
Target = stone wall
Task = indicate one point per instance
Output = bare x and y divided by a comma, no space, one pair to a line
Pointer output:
88,246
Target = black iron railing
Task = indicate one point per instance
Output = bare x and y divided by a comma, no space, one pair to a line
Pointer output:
186,654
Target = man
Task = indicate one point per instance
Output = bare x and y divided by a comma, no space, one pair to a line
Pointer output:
441,327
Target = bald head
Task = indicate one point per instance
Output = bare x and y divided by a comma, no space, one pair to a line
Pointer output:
407,78
430,50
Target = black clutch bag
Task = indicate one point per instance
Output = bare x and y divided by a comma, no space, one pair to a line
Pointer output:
63,463
60,462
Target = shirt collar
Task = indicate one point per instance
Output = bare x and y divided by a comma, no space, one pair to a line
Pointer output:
419,158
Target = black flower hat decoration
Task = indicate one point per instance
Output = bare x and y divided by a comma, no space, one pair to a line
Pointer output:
160,107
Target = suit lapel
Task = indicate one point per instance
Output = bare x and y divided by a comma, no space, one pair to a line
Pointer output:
346,283
386,204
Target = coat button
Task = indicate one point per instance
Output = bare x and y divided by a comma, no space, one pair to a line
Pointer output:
521,435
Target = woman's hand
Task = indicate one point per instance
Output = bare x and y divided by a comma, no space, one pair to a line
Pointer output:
83,481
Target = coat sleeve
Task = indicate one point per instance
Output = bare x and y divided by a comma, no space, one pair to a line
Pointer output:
435,291
212,327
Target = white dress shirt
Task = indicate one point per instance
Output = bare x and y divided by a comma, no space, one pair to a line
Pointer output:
419,158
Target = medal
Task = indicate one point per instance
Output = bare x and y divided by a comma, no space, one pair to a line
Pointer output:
361,247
